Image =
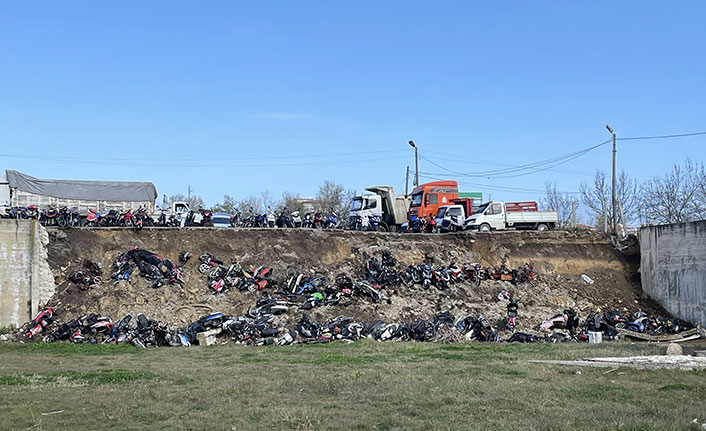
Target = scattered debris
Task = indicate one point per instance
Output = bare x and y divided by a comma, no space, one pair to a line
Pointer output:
680,362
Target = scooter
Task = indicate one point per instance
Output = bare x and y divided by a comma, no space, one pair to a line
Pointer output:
308,221
50,216
271,218
331,221
91,218
296,219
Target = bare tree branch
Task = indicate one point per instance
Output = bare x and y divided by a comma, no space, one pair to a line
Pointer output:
599,201
676,197
562,203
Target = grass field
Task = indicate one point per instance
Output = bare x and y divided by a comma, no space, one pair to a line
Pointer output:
363,386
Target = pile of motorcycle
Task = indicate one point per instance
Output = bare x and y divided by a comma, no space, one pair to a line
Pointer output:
300,290
151,266
252,330
441,277
641,322
221,279
89,276
256,328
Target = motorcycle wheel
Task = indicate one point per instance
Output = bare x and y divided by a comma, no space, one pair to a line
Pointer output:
128,223
204,267
61,222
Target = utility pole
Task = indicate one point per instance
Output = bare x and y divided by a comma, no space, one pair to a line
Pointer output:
573,213
613,206
188,194
416,163
406,183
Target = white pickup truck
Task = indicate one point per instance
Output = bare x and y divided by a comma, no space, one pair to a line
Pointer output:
510,215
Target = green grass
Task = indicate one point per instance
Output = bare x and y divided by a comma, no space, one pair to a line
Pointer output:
362,386
6,329
98,377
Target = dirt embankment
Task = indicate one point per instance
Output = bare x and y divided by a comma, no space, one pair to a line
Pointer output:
559,259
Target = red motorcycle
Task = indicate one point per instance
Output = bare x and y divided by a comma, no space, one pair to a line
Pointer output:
430,225
32,212
91,218
126,219
141,218
318,220
206,218
40,323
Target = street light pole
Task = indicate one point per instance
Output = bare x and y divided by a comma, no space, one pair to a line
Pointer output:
416,163
614,219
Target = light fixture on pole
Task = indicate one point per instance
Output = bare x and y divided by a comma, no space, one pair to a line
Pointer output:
416,163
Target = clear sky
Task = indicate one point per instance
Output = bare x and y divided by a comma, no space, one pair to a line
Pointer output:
241,97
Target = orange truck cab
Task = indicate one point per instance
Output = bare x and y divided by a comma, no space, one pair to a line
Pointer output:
427,198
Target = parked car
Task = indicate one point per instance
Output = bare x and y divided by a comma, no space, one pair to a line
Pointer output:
221,220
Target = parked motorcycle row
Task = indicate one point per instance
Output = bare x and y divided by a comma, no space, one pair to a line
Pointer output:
70,217
286,219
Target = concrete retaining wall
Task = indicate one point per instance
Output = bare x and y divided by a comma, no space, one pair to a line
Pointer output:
673,268
26,281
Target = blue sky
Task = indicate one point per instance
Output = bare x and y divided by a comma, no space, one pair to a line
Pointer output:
238,98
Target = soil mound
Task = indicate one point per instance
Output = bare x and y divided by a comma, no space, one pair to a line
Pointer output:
559,259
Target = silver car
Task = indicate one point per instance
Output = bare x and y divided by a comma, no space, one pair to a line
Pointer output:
221,220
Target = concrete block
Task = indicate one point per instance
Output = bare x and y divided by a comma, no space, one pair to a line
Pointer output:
674,349
208,338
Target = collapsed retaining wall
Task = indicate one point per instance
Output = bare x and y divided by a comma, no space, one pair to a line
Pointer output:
26,281
673,267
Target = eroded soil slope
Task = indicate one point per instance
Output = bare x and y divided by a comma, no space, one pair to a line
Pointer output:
559,259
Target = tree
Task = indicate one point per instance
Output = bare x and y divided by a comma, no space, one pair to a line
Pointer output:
598,198
228,205
564,204
676,197
334,197
267,200
289,201
250,206
195,201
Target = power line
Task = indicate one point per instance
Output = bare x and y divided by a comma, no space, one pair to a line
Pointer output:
211,159
681,135
530,168
491,187
261,165
453,158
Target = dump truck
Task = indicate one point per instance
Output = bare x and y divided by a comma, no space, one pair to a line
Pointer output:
428,197
496,216
381,202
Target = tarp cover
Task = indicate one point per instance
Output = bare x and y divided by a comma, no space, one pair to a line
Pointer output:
83,190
